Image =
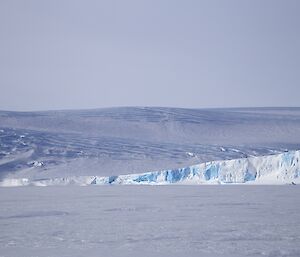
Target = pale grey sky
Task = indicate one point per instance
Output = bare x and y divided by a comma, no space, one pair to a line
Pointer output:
88,54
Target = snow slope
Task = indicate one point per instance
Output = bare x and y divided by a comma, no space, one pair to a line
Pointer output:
128,140
274,169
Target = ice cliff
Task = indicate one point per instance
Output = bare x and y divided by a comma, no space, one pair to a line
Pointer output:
273,169
280,168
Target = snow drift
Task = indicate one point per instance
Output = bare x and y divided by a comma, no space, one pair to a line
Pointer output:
273,169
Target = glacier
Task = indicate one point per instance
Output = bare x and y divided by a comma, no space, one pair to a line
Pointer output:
124,140
281,168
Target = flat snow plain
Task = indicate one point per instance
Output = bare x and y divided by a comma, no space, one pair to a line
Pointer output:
210,221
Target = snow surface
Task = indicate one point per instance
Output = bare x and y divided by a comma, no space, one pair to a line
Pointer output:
207,221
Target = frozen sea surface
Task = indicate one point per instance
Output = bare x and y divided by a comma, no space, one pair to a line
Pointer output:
150,221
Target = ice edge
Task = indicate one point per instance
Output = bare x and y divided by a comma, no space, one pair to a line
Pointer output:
281,168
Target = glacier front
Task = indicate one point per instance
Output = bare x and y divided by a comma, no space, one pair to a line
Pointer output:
273,169
281,168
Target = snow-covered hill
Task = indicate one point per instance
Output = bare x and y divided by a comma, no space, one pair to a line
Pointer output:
115,141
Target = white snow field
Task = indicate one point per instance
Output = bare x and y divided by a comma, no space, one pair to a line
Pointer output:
194,221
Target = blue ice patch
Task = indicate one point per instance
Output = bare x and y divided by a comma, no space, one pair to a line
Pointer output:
212,171
288,158
149,177
111,179
174,176
249,176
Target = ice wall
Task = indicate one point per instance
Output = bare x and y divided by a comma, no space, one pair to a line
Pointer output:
273,169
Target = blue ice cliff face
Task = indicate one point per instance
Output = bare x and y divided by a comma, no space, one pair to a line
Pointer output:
273,169
278,168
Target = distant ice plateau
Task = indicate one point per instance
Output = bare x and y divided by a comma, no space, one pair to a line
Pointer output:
281,168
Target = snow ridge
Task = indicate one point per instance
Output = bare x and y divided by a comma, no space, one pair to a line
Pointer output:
273,169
